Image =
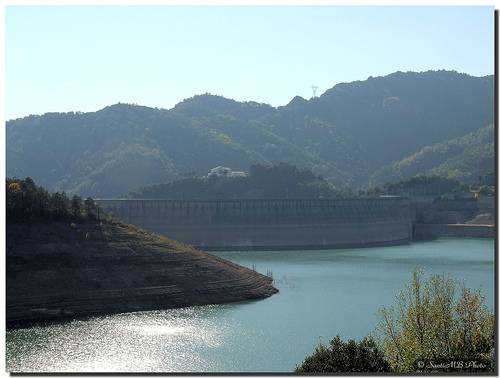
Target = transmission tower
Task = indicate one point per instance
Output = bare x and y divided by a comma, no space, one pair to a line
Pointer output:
314,88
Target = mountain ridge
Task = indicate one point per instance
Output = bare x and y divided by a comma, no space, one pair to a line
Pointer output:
342,135
340,84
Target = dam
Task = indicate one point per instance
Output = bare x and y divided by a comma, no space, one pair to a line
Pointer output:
267,224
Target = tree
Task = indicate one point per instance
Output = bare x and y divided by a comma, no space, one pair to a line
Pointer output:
59,205
475,328
27,202
76,206
14,197
349,356
431,323
90,208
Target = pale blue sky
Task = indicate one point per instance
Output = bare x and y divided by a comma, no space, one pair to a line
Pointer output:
85,58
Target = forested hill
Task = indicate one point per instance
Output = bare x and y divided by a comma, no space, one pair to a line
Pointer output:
463,158
271,182
346,135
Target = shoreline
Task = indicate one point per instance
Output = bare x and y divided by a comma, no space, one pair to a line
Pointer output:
65,318
27,309
388,243
58,272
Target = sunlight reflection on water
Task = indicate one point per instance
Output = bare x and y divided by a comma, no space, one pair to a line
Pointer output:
322,293
142,341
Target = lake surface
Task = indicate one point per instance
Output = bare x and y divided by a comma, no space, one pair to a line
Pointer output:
322,293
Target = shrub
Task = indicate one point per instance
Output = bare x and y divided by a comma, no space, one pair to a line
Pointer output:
430,322
349,356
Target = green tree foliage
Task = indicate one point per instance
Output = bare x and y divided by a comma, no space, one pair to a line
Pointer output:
434,320
486,190
76,206
281,180
421,185
28,202
461,158
431,322
349,356
346,134
91,209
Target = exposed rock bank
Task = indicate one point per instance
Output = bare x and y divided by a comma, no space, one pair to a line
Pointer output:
59,270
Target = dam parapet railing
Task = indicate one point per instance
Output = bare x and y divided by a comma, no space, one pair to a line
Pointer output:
271,223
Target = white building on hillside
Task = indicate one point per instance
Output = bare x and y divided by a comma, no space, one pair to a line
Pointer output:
225,172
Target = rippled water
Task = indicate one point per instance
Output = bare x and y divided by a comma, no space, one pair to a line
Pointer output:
322,293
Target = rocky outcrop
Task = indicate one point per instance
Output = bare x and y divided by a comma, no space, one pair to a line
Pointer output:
60,270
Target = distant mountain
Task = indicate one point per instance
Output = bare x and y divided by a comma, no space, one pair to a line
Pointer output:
393,116
346,135
463,159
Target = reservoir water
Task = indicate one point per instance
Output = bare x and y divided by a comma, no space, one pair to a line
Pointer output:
322,294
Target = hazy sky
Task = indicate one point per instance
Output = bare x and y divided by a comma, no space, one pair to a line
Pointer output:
85,58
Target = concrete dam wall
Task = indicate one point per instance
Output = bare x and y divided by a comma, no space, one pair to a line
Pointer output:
271,224
430,231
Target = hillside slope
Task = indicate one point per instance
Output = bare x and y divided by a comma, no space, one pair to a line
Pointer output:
398,114
57,271
463,159
345,135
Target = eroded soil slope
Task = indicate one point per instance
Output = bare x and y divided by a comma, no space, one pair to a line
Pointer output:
63,270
